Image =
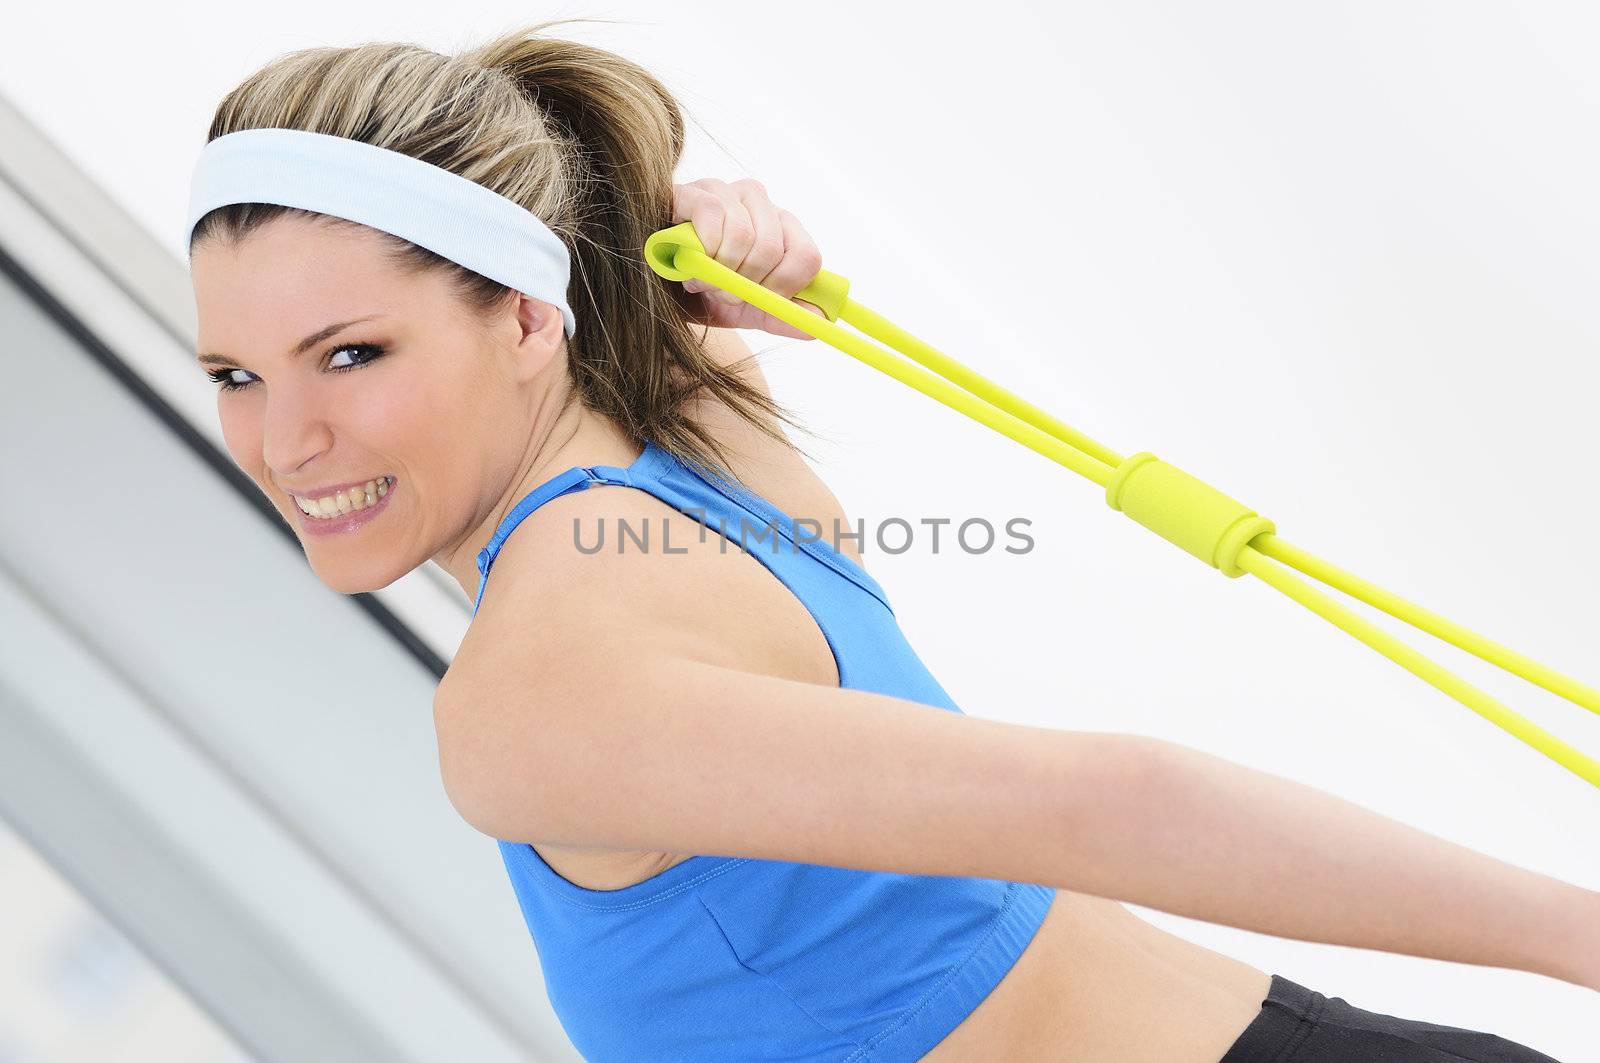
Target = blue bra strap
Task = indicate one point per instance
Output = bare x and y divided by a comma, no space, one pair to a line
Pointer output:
570,480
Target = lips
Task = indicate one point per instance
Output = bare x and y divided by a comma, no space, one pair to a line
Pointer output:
355,520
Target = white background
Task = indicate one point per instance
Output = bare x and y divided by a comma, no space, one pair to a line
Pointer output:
1337,261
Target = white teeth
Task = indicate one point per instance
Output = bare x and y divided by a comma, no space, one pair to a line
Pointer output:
346,501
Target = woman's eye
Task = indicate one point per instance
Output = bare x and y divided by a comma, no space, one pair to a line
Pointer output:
365,353
224,378
369,352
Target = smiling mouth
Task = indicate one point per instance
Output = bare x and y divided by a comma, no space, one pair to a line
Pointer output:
347,502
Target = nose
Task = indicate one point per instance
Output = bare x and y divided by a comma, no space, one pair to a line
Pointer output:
294,429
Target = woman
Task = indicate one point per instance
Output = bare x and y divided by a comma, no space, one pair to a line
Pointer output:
890,882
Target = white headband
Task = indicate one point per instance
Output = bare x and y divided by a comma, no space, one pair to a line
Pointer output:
428,205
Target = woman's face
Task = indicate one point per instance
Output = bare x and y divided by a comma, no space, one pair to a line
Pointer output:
351,374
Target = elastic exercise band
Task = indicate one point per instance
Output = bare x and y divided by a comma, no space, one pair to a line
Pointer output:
1186,511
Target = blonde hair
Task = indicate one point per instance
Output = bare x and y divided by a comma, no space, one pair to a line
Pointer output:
585,139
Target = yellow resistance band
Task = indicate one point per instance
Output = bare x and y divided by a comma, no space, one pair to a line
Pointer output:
1186,511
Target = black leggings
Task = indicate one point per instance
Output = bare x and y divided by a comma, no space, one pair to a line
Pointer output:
1300,1025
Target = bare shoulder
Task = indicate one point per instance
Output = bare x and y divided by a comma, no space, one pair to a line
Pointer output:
612,556
567,564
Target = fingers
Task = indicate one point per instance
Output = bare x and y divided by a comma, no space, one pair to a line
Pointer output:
694,203
743,230
768,249
722,220
801,259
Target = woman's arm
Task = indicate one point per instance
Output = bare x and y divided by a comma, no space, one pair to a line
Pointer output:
579,729
1242,847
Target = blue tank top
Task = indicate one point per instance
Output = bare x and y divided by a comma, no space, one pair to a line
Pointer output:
729,958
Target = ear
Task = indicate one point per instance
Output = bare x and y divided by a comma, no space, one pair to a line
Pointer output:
541,330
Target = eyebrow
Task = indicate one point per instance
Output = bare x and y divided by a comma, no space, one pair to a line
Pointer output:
299,348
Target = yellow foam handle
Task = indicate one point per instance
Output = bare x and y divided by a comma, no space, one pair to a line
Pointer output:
1185,511
1179,507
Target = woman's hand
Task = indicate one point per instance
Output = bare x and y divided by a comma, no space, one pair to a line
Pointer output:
745,231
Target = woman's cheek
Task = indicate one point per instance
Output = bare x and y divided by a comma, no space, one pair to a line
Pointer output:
241,433
397,410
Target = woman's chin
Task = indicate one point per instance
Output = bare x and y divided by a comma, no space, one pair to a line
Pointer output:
358,578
